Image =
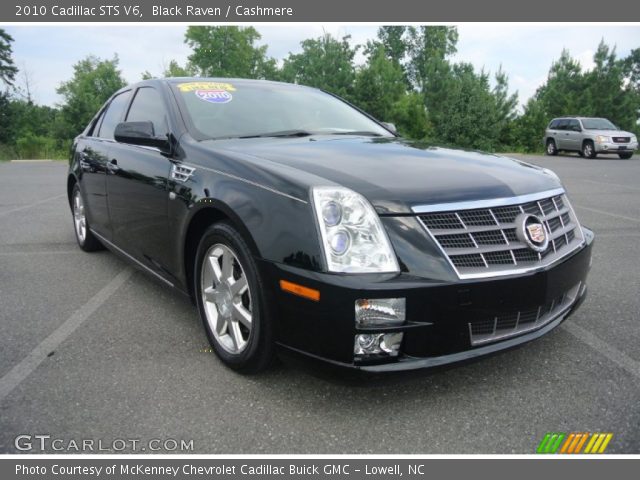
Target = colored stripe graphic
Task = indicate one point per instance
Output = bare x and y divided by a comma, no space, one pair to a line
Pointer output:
551,442
572,443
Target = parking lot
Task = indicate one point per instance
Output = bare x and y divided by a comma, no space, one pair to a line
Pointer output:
91,348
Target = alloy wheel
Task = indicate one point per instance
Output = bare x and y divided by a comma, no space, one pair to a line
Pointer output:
226,298
79,218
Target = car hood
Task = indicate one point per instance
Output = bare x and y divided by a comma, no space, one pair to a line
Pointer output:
396,175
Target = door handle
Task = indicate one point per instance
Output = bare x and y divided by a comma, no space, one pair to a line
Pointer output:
112,165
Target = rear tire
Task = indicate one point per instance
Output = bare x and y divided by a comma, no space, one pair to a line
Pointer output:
625,156
87,241
551,148
588,149
231,300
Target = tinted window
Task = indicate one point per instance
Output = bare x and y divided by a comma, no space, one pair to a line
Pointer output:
114,115
147,105
562,124
553,125
574,125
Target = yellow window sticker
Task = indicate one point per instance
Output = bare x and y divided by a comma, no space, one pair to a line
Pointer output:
193,86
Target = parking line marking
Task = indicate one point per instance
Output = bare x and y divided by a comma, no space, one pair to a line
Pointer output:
24,207
43,252
609,183
624,217
22,370
612,353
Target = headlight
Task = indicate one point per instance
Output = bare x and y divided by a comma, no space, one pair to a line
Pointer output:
602,139
634,139
353,237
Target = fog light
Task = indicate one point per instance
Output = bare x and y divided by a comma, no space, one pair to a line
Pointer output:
377,344
380,312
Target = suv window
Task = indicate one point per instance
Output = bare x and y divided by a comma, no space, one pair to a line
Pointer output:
114,114
562,124
574,125
148,106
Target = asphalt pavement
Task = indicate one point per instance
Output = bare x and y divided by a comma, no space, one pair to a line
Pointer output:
92,349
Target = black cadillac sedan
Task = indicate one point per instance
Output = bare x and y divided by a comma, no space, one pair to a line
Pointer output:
296,221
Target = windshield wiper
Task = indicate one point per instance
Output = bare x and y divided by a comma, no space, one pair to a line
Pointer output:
282,133
358,132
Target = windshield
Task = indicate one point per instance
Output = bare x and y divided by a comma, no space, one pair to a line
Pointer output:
240,109
598,124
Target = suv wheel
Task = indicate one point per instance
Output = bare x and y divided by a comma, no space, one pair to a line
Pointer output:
625,156
230,298
588,150
551,147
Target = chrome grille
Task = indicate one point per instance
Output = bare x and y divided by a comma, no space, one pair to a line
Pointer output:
511,324
621,139
482,242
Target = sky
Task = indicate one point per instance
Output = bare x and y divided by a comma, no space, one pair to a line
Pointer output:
525,52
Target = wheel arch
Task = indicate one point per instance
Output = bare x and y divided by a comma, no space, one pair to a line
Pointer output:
71,182
200,221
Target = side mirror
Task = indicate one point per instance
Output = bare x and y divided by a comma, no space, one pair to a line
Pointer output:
139,133
389,126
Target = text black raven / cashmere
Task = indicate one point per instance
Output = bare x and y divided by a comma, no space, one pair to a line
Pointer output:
296,221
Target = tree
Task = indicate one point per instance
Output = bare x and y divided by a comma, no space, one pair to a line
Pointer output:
429,48
505,109
7,69
466,114
324,62
93,82
173,69
229,51
379,85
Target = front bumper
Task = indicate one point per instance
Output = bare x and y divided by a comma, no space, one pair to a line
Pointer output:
440,315
612,147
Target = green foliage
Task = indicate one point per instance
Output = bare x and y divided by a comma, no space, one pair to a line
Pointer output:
408,79
7,69
93,82
229,52
174,69
325,63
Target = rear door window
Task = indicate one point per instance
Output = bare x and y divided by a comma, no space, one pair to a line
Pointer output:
562,124
574,125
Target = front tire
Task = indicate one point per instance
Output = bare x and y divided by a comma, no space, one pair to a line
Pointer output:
625,156
551,149
588,150
231,300
87,241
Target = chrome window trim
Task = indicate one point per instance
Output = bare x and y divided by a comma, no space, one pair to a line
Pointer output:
495,202
498,202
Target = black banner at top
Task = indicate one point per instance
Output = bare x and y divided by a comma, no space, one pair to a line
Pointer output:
381,11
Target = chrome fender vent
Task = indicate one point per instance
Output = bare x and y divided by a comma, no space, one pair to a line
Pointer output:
181,173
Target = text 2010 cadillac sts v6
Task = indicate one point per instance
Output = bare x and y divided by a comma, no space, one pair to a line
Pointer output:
294,219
